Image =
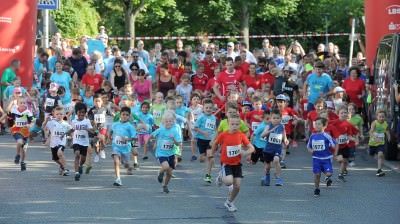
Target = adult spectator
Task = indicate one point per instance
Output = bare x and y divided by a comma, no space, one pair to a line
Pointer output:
227,81
61,78
139,60
244,66
133,75
176,69
67,67
282,50
209,65
249,56
118,76
78,62
200,79
110,62
296,49
40,66
262,66
268,77
97,59
320,83
239,65
179,46
84,47
143,87
279,60
92,79
289,86
102,35
58,56
230,53
66,50
165,81
9,75
266,46
355,87
142,52
251,80
157,50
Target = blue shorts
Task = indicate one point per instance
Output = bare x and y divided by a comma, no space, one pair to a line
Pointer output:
18,136
169,159
375,149
322,165
35,129
124,157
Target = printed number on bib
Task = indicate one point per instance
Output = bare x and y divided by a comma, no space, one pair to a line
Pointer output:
286,119
80,134
167,145
232,151
305,106
275,138
210,124
318,145
21,122
343,139
50,102
119,142
157,114
254,125
99,118
380,136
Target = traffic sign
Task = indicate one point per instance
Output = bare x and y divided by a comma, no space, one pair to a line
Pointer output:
48,4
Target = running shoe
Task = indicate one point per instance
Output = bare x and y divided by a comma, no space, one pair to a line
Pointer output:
165,189
96,158
193,158
341,177
380,173
218,180
345,172
230,206
80,169
102,154
317,192
23,166
278,182
294,144
266,180
283,164
17,158
88,169
135,166
77,176
207,178
129,171
328,181
65,172
160,177
145,157
118,182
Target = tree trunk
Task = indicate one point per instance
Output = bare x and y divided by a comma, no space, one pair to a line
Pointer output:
132,20
244,23
127,13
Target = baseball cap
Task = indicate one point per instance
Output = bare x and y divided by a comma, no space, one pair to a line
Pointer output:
282,97
230,44
53,86
338,89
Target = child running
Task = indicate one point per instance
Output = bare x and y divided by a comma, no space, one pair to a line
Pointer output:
379,130
144,130
231,156
319,145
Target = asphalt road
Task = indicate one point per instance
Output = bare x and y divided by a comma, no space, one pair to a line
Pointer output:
40,195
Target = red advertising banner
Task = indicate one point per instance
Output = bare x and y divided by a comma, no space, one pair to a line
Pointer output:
382,17
17,36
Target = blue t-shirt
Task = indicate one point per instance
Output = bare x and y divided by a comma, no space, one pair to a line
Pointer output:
318,85
274,139
62,80
205,123
88,101
8,92
165,145
182,111
52,63
320,144
258,141
147,119
126,130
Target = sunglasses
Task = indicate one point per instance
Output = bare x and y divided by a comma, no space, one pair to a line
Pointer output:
135,69
117,66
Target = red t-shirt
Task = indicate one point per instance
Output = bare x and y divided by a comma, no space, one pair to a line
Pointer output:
209,68
311,116
92,80
254,122
210,84
244,68
177,72
332,116
268,78
353,89
254,83
332,131
231,146
345,130
199,83
287,119
229,81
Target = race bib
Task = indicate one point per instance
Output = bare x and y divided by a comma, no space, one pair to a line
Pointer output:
99,118
232,151
305,106
21,122
80,134
286,119
381,136
264,139
210,124
119,142
254,125
167,145
156,114
318,145
343,139
275,138
50,102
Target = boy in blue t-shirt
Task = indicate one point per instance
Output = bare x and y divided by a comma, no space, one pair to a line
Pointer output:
275,135
205,129
167,137
122,132
319,145
258,142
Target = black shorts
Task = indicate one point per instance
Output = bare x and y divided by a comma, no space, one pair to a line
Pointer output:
82,149
257,155
234,170
375,149
169,159
55,150
345,152
203,145
269,157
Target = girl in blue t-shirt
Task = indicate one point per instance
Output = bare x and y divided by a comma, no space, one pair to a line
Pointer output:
144,129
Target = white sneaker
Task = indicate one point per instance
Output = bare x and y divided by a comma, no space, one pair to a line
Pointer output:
96,158
230,206
102,154
218,180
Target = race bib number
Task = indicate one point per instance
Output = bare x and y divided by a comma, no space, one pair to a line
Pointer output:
167,145
119,141
99,118
21,122
210,124
264,139
343,139
380,136
318,145
286,119
232,151
254,125
157,114
305,106
275,138
80,134
50,102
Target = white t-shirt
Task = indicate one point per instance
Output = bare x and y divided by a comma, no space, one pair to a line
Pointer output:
81,136
57,132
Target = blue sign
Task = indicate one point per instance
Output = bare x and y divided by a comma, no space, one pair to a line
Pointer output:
48,4
95,45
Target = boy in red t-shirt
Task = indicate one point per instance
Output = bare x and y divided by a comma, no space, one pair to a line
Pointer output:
254,117
319,105
231,156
